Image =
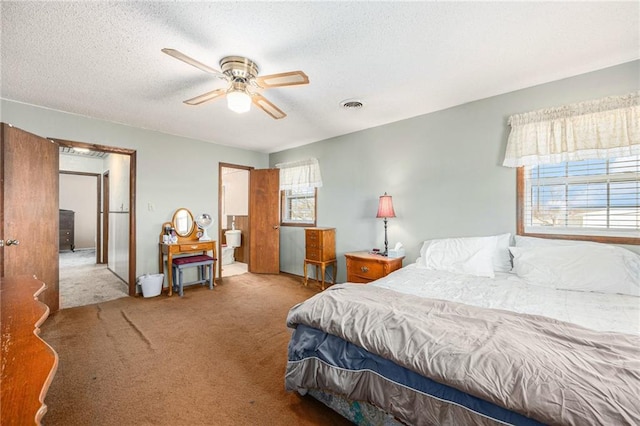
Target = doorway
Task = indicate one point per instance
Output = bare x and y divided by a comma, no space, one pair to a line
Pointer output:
84,219
120,219
85,278
233,223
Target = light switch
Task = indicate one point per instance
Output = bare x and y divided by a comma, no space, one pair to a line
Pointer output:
151,207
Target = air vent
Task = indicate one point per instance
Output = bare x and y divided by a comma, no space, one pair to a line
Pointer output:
351,104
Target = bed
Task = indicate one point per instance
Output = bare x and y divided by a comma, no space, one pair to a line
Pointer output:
479,331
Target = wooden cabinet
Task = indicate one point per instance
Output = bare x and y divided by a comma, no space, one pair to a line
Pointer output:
320,244
320,251
28,363
363,267
67,218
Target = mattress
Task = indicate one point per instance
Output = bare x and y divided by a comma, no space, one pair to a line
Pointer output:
598,311
322,353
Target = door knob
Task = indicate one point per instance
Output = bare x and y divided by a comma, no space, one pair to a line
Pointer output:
13,242
275,227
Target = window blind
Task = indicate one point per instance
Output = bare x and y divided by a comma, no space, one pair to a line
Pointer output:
593,197
299,205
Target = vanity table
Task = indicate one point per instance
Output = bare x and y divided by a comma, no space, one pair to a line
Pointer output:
187,243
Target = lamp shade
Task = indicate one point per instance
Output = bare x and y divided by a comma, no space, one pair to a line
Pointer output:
385,207
238,101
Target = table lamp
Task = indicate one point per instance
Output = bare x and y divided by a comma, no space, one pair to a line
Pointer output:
385,210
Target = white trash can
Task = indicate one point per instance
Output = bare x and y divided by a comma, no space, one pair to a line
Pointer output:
151,285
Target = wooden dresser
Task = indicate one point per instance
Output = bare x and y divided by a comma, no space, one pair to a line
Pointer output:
363,267
28,363
67,218
320,251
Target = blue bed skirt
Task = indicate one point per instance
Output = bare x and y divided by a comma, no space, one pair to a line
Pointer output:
310,348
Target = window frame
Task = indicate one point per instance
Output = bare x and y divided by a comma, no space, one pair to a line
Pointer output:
520,221
299,224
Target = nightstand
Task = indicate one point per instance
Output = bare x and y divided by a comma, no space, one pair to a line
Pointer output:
363,267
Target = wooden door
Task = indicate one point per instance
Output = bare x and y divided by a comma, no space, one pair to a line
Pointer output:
264,221
29,207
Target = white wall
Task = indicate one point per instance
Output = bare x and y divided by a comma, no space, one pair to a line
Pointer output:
79,193
163,183
443,170
236,193
75,163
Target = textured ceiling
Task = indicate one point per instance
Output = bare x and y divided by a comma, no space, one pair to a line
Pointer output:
103,59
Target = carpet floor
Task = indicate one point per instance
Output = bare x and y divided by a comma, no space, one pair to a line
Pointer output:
212,357
83,282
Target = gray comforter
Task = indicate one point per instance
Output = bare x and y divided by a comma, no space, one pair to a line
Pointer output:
548,370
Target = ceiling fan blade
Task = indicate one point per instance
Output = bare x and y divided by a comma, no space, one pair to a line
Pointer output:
292,78
209,96
188,60
262,103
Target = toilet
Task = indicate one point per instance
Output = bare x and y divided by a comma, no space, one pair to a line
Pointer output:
233,240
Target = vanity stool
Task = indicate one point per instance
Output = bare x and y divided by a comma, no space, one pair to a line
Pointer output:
203,262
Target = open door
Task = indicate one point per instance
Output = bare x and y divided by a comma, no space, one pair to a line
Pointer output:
264,221
29,207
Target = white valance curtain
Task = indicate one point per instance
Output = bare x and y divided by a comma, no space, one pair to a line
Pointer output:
300,174
603,128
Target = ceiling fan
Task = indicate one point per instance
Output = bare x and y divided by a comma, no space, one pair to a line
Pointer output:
244,83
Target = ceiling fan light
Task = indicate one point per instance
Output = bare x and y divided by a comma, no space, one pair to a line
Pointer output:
238,101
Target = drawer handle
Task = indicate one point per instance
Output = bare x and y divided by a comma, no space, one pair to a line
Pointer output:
364,269
194,247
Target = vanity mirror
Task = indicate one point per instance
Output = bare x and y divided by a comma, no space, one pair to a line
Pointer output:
183,222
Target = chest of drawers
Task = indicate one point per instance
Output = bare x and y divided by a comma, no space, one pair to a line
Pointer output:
363,267
67,225
320,251
320,244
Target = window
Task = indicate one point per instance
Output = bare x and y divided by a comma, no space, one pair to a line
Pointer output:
597,198
299,206
299,181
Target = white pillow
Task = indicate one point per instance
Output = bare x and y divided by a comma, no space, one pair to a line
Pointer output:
501,256
472,256
521,241
585,267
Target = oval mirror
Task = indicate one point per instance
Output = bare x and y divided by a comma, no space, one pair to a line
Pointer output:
183,222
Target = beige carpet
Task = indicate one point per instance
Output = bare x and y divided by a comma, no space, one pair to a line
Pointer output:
83,282
212,357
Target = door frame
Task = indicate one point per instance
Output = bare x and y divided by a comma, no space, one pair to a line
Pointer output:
132,197
227,166
98,205
105,217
